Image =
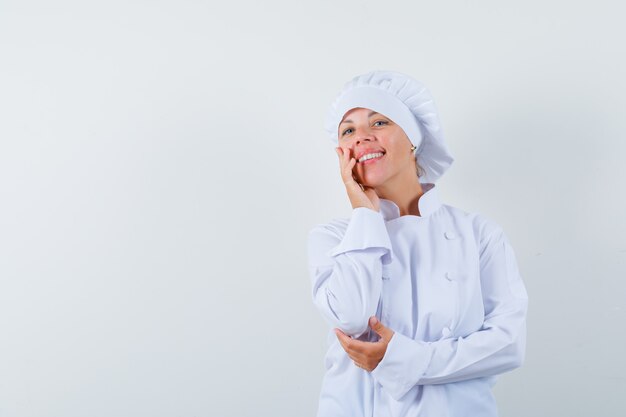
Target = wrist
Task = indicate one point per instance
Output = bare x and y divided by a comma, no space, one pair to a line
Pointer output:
352,184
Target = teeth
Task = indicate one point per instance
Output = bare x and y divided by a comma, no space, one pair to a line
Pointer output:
370,156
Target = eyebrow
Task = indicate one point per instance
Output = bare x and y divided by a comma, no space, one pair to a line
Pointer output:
350,121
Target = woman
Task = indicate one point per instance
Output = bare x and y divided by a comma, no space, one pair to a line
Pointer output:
426,300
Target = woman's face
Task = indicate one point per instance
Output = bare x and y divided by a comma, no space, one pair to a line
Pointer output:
366,132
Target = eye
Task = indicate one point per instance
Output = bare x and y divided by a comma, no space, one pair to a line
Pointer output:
347,131
381,123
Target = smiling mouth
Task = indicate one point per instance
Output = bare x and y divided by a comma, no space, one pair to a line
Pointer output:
371,158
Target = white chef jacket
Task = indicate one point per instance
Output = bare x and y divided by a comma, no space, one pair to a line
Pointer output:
446,282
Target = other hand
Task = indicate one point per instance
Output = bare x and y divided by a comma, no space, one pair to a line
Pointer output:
367,355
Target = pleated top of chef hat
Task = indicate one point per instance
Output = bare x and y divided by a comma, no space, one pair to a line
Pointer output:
405,101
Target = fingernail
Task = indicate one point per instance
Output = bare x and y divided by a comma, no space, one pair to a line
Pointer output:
374,321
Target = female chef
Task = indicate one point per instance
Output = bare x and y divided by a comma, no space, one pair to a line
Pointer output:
425,300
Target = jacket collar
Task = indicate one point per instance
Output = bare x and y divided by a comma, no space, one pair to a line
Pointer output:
428,203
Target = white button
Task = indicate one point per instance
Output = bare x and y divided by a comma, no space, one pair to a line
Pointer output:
449,276
450,235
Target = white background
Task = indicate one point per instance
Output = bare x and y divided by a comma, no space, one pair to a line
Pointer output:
161,163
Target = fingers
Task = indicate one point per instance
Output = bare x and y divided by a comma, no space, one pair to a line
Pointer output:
347,163
354,349
351,164
349,344
384,332
366,355
350,178
342,161
343,338
344,156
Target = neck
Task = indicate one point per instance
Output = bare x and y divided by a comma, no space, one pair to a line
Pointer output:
404,190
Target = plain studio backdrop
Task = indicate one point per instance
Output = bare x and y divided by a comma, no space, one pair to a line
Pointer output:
161,163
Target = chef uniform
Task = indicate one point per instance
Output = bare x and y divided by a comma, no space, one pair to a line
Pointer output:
446,282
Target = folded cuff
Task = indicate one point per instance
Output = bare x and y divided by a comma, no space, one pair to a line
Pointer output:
404,363
365,230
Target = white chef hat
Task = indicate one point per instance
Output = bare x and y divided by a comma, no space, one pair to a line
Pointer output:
405,101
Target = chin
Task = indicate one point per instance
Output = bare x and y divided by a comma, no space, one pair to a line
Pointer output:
372,183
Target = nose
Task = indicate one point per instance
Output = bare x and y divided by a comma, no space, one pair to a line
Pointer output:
363,135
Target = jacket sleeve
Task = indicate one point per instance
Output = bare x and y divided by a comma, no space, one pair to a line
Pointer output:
346,271
498,346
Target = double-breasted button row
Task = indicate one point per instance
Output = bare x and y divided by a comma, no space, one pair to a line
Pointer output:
449,234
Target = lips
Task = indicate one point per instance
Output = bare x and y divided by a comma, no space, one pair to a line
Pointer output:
372,160
362,152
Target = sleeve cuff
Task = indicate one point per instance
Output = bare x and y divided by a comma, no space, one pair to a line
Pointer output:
366,229
404,363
